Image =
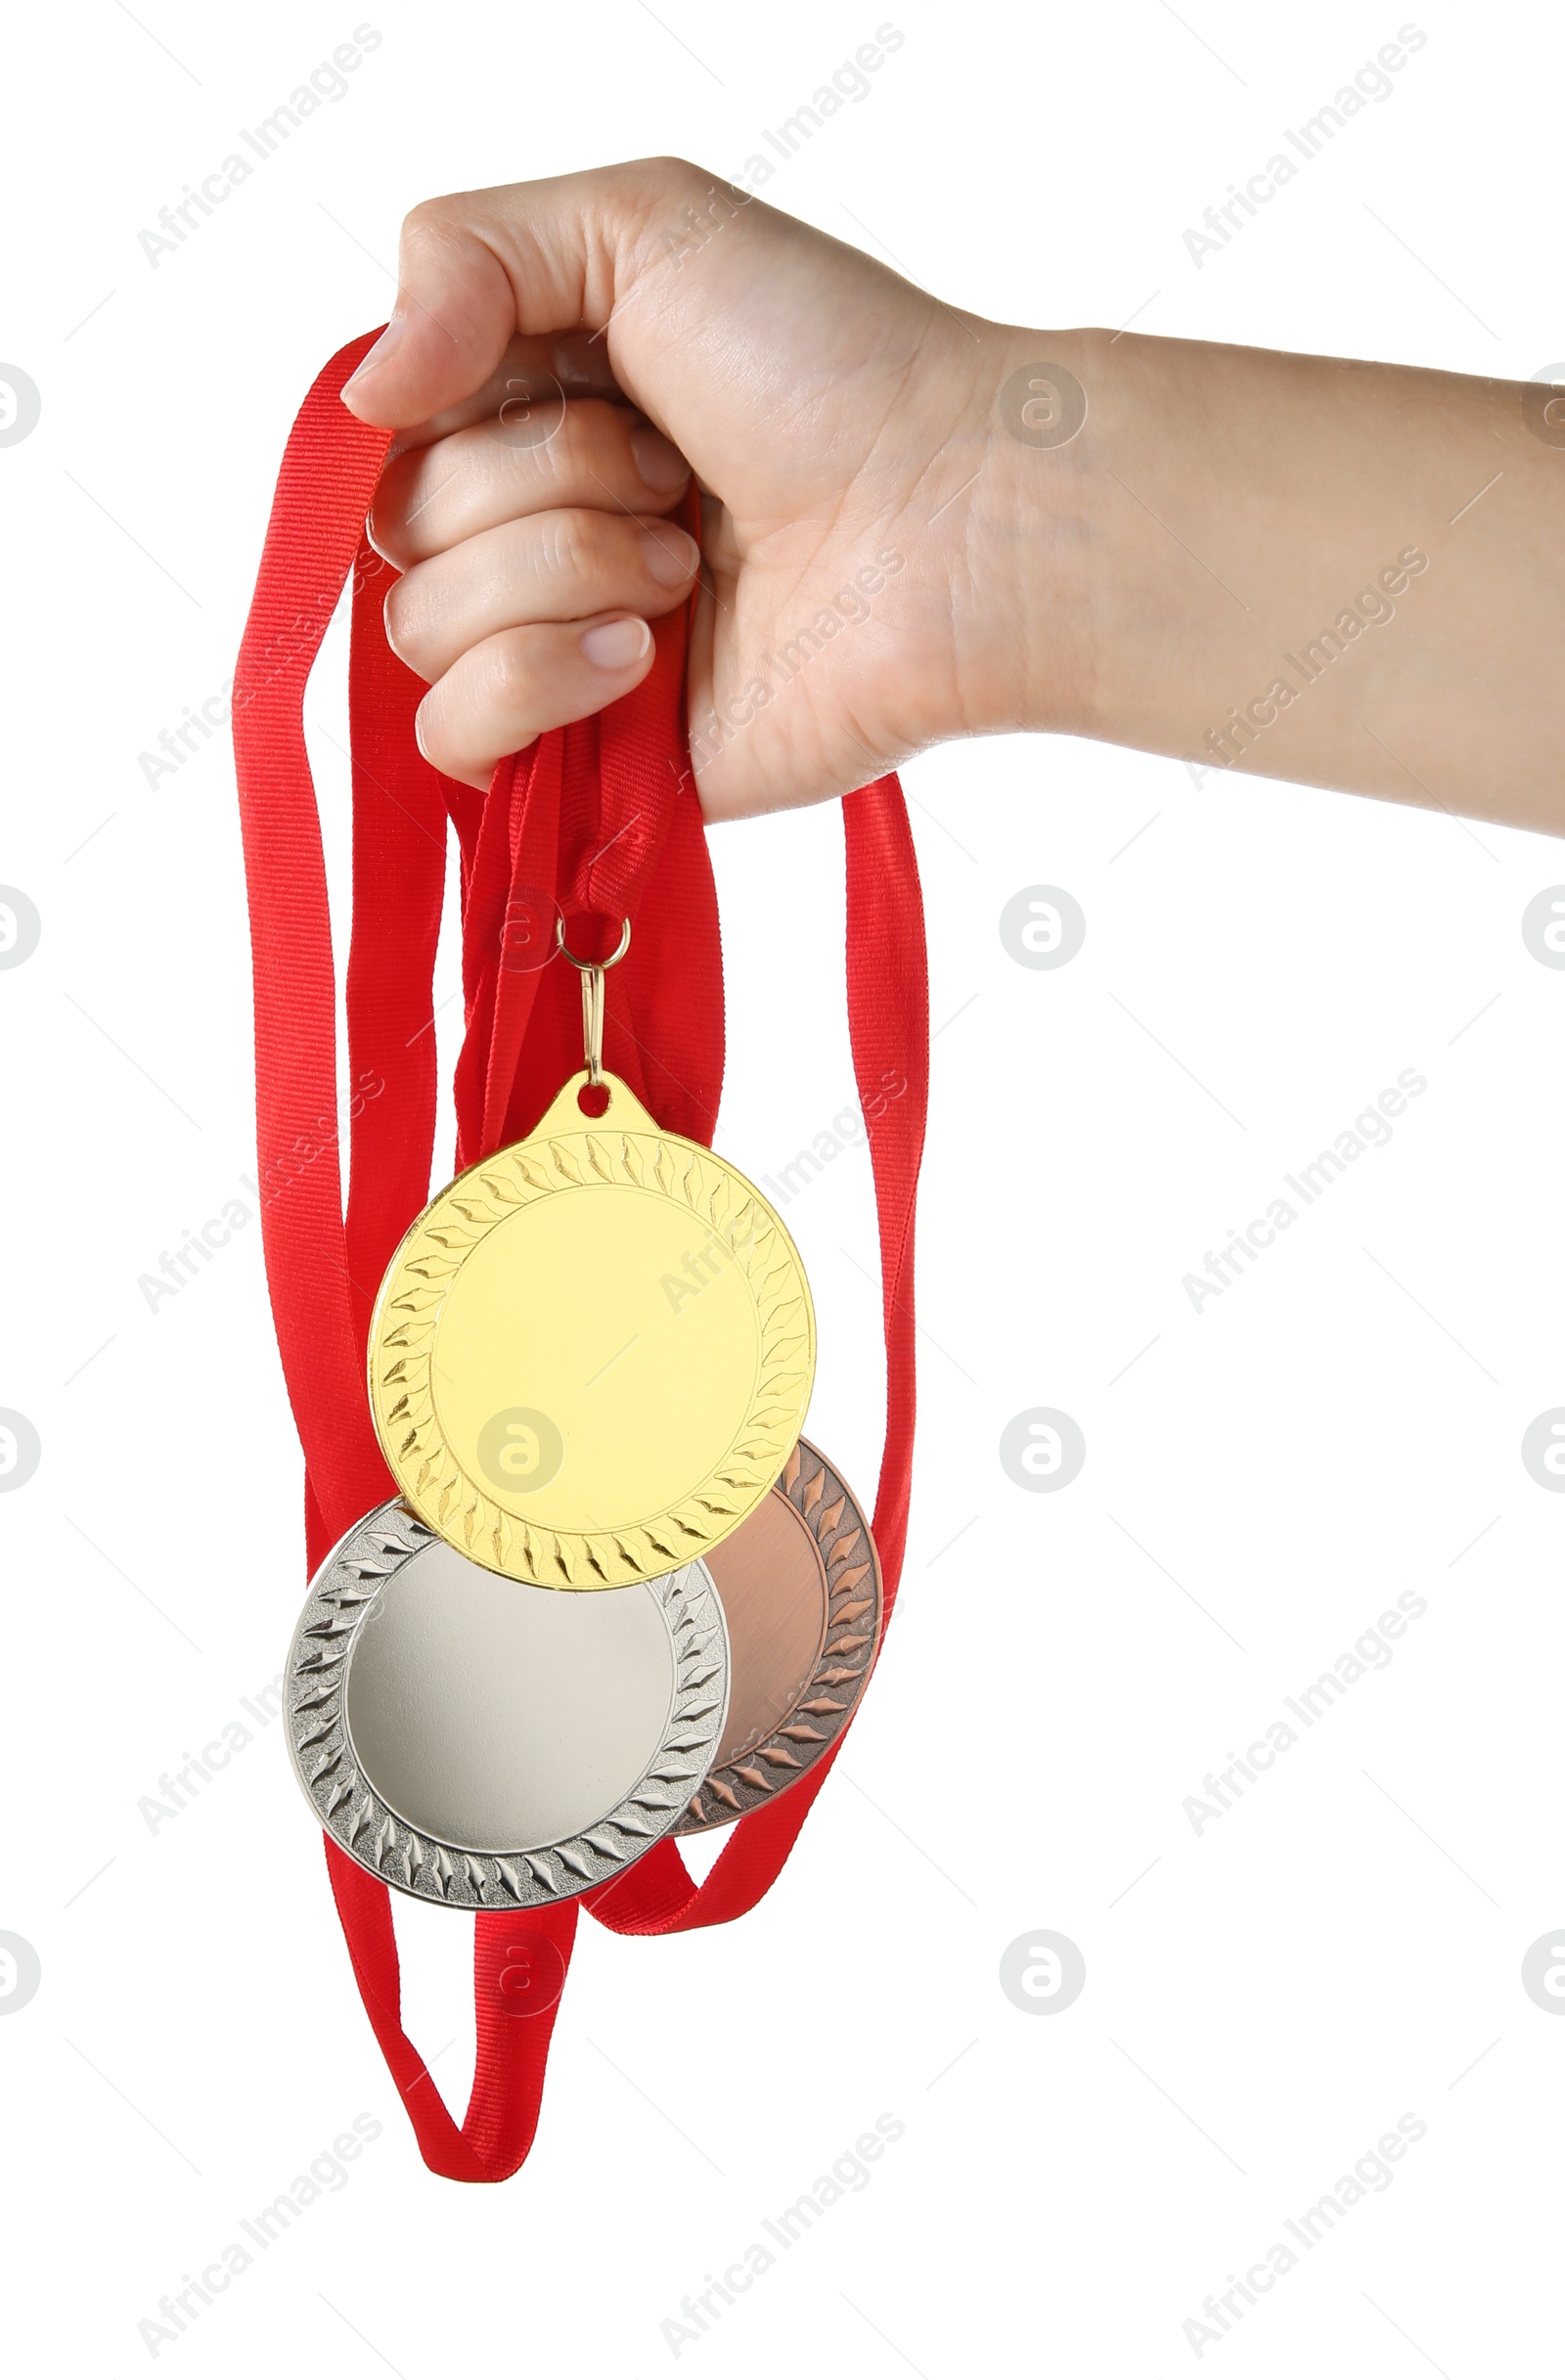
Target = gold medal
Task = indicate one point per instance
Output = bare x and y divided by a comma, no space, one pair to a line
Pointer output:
591,1355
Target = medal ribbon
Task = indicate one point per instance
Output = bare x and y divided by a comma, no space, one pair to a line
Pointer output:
596,823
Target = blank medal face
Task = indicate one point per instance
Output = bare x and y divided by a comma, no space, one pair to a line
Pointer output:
488,1745
590,1287
800,1588
591,1355
772,1579
524,1742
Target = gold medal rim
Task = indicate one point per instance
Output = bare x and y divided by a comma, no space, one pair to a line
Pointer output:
589,1560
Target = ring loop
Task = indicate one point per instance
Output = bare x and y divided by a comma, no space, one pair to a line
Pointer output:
592,973
588,966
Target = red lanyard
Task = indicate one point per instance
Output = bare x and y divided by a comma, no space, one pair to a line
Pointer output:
602,820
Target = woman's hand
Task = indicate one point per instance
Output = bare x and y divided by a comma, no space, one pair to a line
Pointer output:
919,524
562,353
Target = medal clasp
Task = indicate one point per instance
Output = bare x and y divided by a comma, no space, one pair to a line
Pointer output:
592,973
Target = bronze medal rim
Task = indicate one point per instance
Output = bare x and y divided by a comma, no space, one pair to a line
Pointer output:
851,1638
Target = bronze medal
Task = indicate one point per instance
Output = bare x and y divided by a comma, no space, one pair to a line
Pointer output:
799,1581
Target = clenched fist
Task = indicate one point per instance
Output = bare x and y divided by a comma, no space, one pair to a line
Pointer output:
563,356
916,523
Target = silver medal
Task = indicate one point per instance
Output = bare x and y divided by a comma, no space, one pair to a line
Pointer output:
487,1744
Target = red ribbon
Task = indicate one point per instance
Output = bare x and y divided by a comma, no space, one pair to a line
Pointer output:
597,822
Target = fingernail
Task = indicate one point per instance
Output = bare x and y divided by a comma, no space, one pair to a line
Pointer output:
617,644
390,339
670,555
661,465
575,361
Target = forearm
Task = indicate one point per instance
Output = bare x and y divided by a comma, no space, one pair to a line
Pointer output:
919,524
1341,574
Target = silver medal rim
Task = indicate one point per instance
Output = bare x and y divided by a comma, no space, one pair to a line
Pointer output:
411,1859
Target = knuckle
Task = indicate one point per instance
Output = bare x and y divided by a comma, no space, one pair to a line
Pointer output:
508,672
431,218
577,544
669,174
560,548
655,189
581,440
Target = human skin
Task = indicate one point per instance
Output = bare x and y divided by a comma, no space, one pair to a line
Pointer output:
1145,582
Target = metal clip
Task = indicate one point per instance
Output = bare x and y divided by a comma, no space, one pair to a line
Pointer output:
592,973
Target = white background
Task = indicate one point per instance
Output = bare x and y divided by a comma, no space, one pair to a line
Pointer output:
1262,2000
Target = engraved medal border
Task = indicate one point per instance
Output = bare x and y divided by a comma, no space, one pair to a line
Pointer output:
342,1595
408,1309
817,1492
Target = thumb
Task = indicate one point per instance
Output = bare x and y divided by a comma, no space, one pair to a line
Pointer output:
477,267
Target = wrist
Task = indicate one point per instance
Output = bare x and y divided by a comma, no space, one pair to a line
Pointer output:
1019,548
